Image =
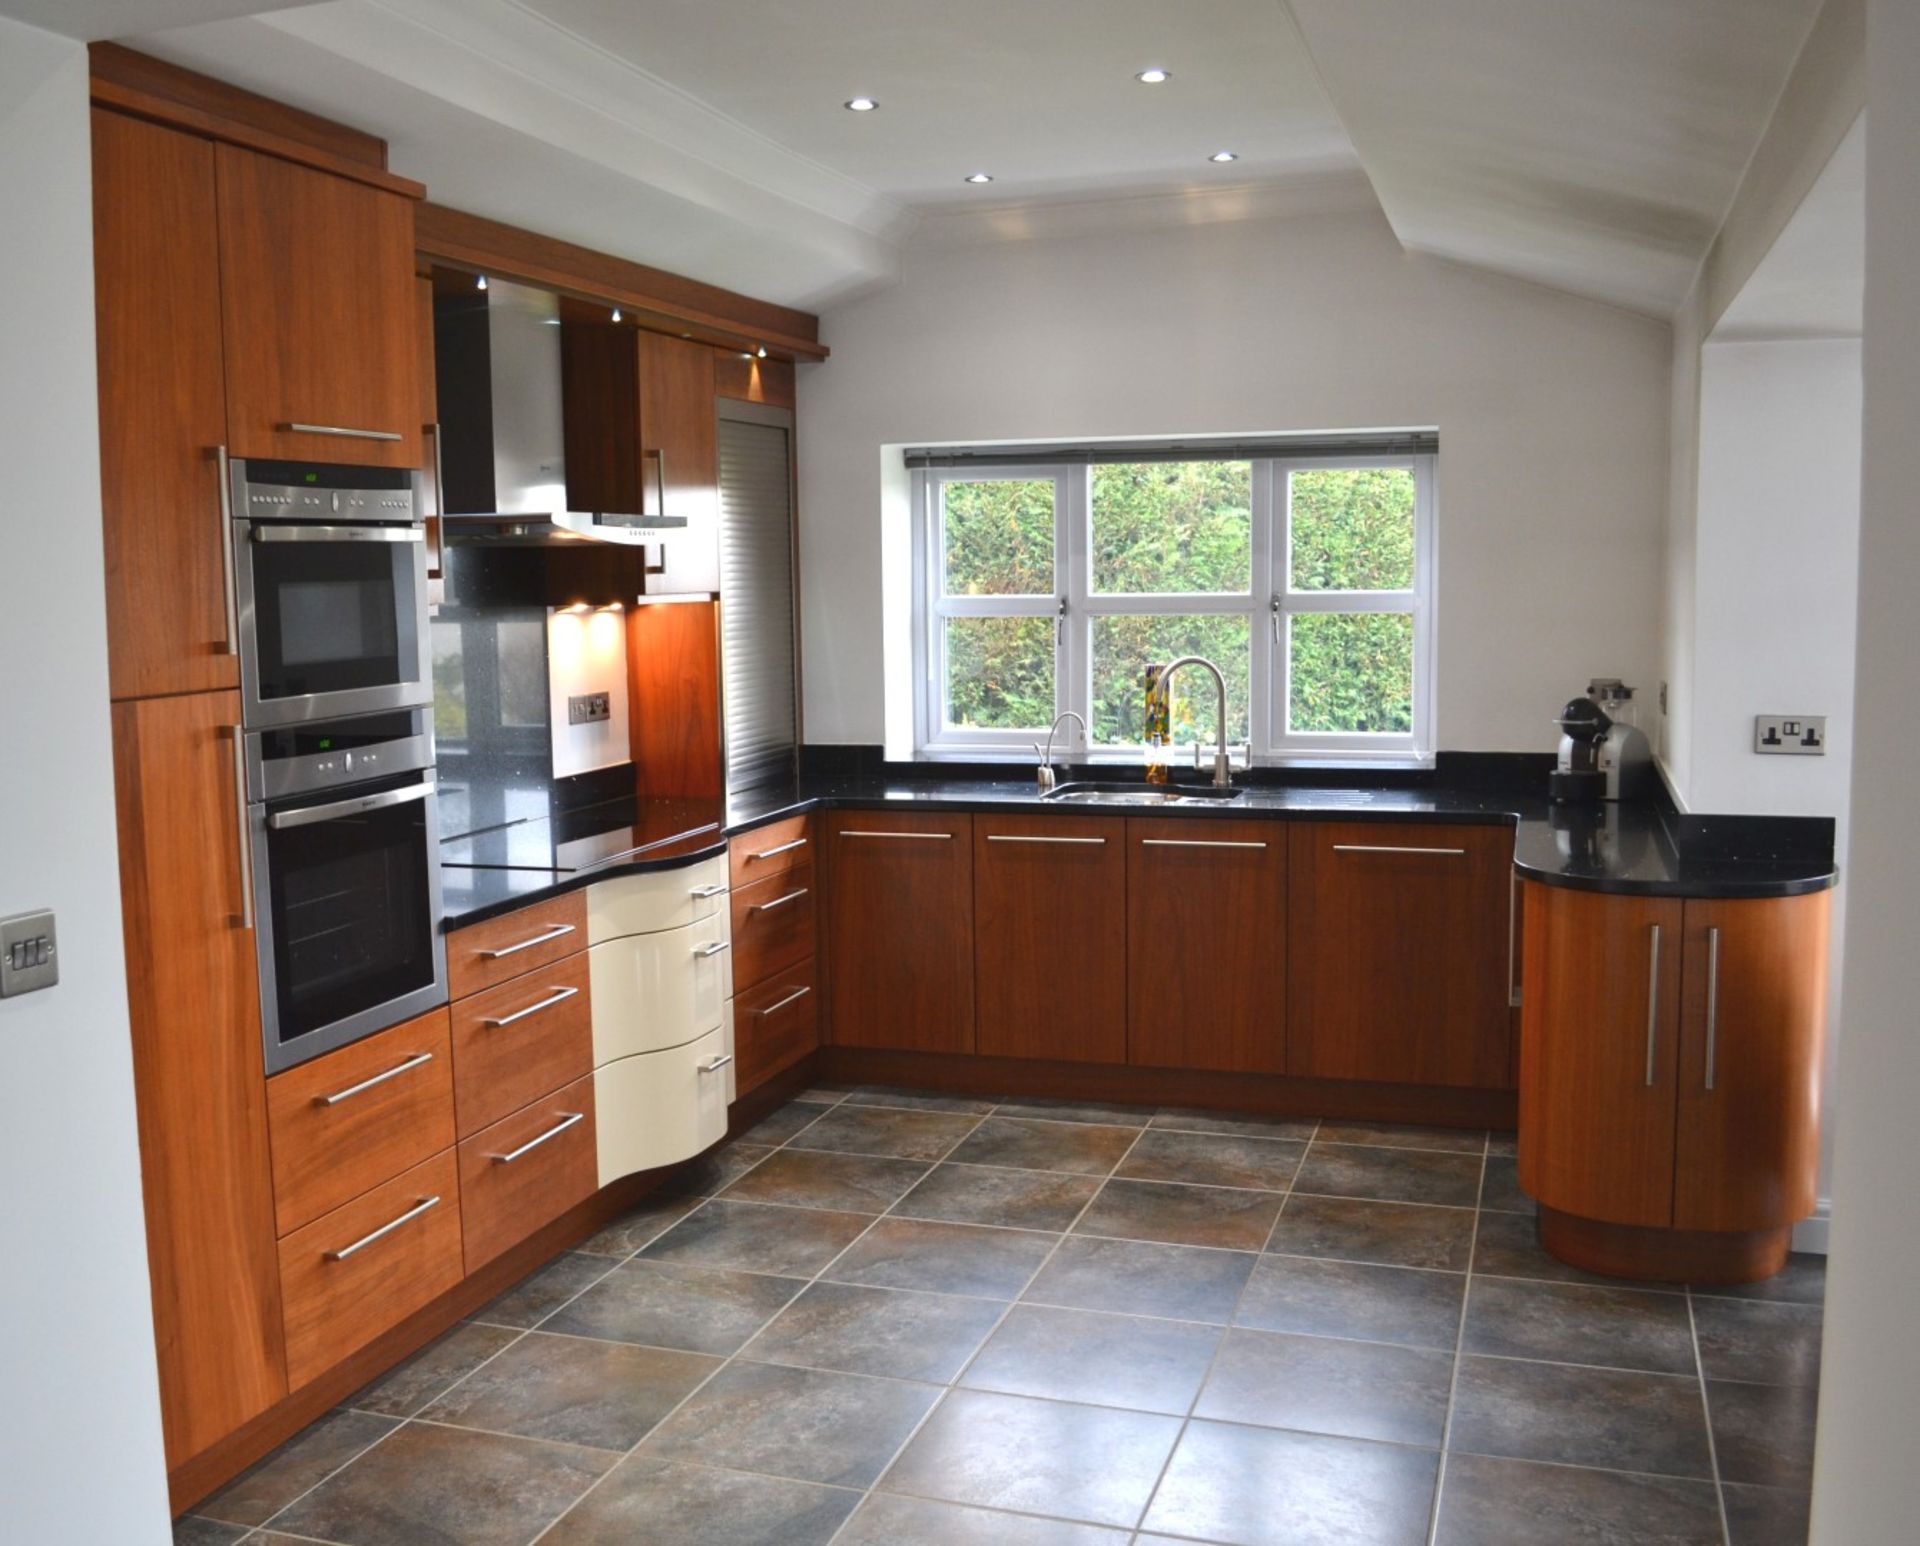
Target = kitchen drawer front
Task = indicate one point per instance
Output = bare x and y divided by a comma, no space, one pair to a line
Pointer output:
514,1043
664,899
525,1171
776,1024
358,1117
771,850
653,991
773,925
660,1107
366,1267
484,954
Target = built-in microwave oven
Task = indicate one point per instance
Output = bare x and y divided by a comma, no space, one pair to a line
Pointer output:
330,589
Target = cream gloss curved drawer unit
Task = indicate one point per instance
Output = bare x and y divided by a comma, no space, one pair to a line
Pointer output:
654,991
650,903
657,1108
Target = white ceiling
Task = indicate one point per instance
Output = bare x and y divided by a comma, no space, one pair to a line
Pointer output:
93,19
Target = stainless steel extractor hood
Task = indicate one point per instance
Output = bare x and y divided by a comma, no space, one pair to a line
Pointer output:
504,401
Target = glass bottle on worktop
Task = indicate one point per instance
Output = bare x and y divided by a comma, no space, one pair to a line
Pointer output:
1158,728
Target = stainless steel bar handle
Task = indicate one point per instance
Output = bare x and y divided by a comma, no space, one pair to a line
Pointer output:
308,815
784,848
244,826
1392,848
557,996
1194,842
1513,939
1653,997
231,607
660,473
792,998
262,533
424,1205
1713,1004
703,892
924,837
779,901
367,1084
713,1065
533,1143
707,952
341,431
1009,837
556,932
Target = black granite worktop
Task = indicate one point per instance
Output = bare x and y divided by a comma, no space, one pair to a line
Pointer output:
538,844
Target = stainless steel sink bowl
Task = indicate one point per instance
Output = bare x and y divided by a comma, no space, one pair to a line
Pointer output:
1088,793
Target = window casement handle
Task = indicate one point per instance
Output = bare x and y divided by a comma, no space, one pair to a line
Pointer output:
558,931
570,1118
923,837
367,1084
792,998
424,1205
1653,997
557,996
779,901
1194,842
783,848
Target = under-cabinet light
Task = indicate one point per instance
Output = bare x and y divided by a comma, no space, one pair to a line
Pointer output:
616,314
480,283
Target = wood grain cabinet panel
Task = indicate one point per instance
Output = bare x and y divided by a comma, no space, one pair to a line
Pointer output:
357,1117
484,954
1397,953
163,409
770,850
1050,937
900,930
775,1025
513,1043
193,998
680,453
526,1170
1207,944
773,925
318,322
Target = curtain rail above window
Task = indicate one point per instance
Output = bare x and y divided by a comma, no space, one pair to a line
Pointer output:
1328,447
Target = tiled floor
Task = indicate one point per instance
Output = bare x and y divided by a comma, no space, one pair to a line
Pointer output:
887,1317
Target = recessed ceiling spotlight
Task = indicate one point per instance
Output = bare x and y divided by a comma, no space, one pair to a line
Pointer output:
860,104
1224,155
979,177
1154,76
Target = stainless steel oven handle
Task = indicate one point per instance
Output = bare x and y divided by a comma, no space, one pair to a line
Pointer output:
307,815
231,597
344,433
260,532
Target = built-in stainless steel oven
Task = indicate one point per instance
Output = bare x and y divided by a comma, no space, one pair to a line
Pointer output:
346,879
330,590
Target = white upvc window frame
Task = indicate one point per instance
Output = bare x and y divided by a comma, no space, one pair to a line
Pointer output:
1269,604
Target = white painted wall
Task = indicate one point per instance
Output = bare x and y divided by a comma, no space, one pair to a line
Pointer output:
1552,414
80,1460
1866,1481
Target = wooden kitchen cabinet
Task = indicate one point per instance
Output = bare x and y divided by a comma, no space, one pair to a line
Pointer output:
900,930
199,1076
1397,953
1050,937
317,314
1207,944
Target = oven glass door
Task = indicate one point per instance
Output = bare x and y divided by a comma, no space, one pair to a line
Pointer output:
352,913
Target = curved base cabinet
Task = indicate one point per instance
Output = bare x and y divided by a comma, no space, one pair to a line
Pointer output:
658,1108
1701,1256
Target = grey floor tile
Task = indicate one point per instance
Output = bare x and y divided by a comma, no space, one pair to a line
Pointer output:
572,1390
539,1294
1623,1328
1392,1234
778,1126
639,1226
1763,1434
920,1100
1265,1487
1508,1245
809,1178
1507,1144
756,1238
1108,1360
1766,1516
825,1094
1079,1147
407,1387
1052,1109
1753,1339
836,1429
262,1490
1389,1175
1182,1215
1405,1135
429,1485
668,1304
1193,1119
884,1130
1015,1199
1354,1390
193,1530
1490,1502
1576,1416
944,1258
1500,1188
891,1519
886,1331
1043,1457
1139,1277
1318,1298
1802,1281
1213,1159
644,1501
715,1172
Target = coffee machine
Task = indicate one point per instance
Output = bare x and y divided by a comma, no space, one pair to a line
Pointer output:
1601,758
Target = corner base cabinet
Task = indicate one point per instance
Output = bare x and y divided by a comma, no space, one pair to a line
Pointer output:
1670,1078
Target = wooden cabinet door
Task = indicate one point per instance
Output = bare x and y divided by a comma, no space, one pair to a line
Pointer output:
680,461
317,293
1050,937
194,1000
900,930
1750,1060
1207,944
1397,953
163,411
1600,1053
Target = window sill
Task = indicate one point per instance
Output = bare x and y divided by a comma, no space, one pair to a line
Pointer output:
1325,762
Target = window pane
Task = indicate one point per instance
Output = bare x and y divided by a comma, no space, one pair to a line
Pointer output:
999,672
1352,528
1123,647
1170,527
998,537
1351,672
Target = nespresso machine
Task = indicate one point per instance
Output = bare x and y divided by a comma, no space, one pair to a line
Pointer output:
1601,757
